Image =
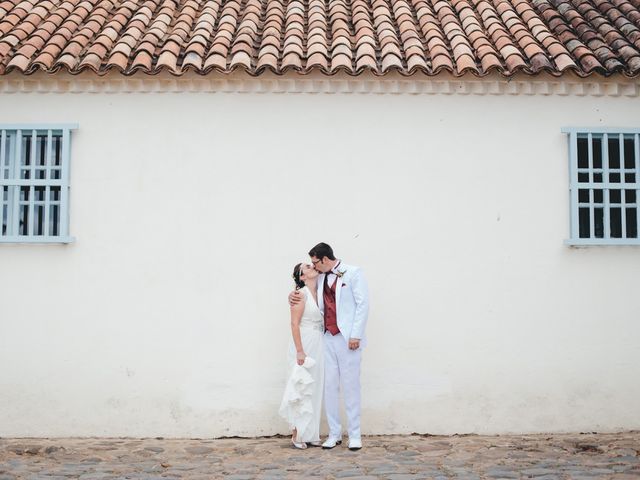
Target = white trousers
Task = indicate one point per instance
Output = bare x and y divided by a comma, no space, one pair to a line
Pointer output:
341,373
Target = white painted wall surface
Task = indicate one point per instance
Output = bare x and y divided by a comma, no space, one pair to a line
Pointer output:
168,315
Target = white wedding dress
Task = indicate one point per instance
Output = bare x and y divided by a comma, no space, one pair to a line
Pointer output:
302,400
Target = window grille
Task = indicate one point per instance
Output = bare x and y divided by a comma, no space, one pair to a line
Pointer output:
34,183
604,172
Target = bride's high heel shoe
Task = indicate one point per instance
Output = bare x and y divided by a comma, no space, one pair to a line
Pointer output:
300,445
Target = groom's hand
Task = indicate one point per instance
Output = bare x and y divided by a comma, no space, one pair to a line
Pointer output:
354,343
295,298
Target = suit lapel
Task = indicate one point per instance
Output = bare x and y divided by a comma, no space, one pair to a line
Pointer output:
341,268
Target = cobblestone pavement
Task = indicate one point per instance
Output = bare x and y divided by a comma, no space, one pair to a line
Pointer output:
543,457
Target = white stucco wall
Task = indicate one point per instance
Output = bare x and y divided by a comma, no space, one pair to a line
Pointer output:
168,315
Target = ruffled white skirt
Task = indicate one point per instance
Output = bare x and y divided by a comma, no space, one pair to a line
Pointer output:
301,404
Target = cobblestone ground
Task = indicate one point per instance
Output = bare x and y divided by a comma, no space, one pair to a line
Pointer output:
543,457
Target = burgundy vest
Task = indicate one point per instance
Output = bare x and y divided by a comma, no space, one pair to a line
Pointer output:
329,297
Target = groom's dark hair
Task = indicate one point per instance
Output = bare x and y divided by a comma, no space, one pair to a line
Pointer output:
322,250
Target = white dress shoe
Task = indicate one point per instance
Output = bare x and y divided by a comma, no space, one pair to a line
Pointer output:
331,442
355,444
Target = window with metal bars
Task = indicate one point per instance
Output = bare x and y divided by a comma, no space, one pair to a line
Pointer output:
34,183
604,169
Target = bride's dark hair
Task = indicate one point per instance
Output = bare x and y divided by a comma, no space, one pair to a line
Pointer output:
297,271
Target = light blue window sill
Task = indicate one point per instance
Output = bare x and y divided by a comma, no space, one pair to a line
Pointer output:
594,242
36,240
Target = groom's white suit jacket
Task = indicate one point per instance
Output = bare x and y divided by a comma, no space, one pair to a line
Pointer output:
352,302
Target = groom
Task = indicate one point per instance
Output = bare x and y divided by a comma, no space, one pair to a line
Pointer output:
343,299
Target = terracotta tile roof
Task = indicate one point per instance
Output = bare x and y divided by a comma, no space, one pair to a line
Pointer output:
409,36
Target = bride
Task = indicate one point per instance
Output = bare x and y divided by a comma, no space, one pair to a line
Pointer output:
302,400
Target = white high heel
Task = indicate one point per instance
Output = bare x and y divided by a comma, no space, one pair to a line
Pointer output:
300,445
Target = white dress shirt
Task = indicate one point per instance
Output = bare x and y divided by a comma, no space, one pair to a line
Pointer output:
331,274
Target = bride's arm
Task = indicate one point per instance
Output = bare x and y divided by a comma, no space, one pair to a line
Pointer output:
296,315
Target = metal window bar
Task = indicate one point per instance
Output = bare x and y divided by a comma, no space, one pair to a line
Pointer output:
601,205
623,210
32,189
10,165
605,193
15,218
47,188
636,144
592,223
3,157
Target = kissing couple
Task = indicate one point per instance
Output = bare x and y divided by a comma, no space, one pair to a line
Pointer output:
329,310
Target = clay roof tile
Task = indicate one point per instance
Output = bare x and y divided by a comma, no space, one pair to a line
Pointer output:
268,60
118,60
216,61
20,62
241,58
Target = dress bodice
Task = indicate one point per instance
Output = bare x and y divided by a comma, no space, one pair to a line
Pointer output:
311,317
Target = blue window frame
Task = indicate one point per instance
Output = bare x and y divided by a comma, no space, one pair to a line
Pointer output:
604,172
34,183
